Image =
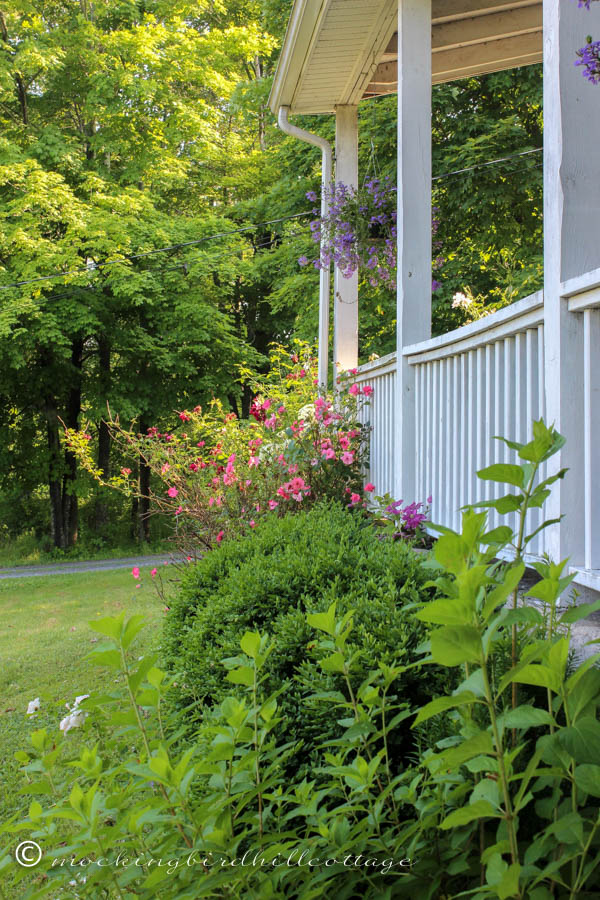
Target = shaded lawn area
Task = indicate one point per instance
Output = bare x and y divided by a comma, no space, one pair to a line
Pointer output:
44,639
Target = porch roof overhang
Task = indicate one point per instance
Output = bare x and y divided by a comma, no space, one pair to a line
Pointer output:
338,52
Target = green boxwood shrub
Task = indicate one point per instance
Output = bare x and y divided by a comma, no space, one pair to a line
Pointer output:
268,581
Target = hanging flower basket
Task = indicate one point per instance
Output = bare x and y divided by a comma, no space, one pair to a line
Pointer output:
359,232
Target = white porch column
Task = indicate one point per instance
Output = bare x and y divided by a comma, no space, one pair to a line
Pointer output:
414,222
571,247
345,316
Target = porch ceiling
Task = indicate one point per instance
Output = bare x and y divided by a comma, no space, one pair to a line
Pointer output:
337,52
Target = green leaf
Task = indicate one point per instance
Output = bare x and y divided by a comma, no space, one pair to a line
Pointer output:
450,552
509,885
510,580
575,613
482,809
323,621
478,745
250,644
110,626
539,675
133,626
456,645
441,704
446,611
505,473
525,717
109,658
582,740
241,675
333,663
587,778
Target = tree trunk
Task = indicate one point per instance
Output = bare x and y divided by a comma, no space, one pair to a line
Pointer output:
54,469
69,496
104,439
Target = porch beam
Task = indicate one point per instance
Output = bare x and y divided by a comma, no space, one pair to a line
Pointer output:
449,10
414,223
571,248
345,304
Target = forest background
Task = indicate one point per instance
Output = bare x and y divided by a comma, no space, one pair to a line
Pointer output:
151,221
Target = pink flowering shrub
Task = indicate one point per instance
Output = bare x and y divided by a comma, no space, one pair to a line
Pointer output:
218,475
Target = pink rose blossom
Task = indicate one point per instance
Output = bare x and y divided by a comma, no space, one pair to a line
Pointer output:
354,390
153,572
135,572
367,390
273,504
179,510
328,454
354,499
253,461
369,488
347,458
220,536
201,443
165,468
353,371
172,492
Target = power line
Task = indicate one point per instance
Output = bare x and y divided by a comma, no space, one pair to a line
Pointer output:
185,265
169,249
174,247
491,162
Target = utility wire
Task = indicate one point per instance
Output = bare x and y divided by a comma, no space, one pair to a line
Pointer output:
174,247
185,265
169,249
491,162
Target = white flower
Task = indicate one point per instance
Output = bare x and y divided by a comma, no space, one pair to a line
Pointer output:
307,413
76,716
460,301
33,706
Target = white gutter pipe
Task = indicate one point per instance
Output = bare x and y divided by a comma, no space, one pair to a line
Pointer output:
325,274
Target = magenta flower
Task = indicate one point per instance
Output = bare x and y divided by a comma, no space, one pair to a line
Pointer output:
220,536
347,457
135,572
369,488
172,492
328,454
273,504
367,390
354,499
153,572
354,390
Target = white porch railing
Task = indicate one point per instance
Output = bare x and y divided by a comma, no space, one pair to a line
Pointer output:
485,379
379,413
481,380
583,295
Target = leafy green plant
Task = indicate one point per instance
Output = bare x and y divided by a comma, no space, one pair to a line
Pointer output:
519,781
268,581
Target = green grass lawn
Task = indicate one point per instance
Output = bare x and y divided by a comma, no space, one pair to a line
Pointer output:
44,639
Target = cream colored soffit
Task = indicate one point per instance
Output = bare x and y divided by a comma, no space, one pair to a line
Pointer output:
338,52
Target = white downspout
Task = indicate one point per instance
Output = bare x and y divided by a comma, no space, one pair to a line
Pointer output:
325,274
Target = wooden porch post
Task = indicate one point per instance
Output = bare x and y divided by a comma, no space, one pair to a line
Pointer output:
345,317
414,223
571,247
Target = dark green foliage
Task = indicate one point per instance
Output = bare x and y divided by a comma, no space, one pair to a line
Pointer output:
269,581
